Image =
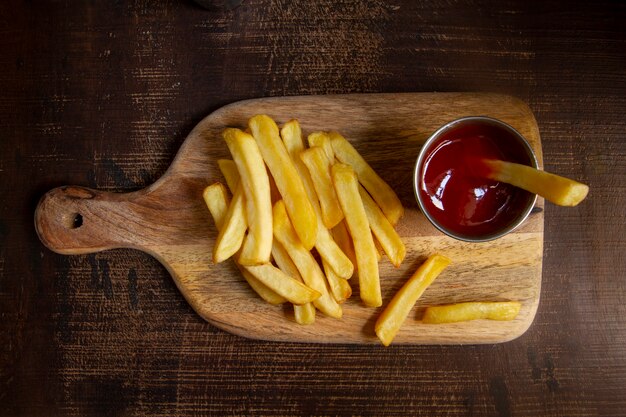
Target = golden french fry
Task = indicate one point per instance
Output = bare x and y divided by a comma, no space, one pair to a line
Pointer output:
325,245
257,246
504,310
282,284
382,193
559,190
347,187
291,135
396,312
322,139
383,230
233,230
216,199
261,289
332,254
228,168
304,261
343,239
318,165
339,287
305,313
288,181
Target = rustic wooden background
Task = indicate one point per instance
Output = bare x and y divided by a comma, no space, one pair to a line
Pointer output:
102,94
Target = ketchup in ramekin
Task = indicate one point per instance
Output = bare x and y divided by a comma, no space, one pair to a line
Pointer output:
450,190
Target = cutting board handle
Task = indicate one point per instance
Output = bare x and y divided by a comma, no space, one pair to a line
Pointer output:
74,220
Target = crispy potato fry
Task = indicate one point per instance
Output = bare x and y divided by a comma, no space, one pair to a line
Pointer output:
257,246
325,245
396,312
382,193
383,230
318,165
291,135
228,168
505,310
216,199
322,139
305,313
332,254
288,181
339,287
265,292
233,229
304,261
347,187
282,284
343,239
559,190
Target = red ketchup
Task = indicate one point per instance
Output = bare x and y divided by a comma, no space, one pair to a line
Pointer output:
454,193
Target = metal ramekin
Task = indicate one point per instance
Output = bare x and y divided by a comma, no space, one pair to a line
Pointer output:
426,148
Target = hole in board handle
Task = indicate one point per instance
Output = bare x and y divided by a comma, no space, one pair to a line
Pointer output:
73,221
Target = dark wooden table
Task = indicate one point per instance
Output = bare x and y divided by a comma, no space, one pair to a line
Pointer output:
103,94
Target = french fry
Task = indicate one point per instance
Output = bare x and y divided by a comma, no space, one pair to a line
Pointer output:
233,230
318,165
257,246
332,254
305,313
291,135
396,312
505,310
559,190
383,230
324,243
341,235
265,292
228,168
216,199
231,237
382,193
347,187
288,181
339,287
304,261
322,139
282,284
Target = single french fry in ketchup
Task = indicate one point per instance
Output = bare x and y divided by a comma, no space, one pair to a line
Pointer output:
554,188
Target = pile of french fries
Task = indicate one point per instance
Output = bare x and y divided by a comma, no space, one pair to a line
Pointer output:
302,220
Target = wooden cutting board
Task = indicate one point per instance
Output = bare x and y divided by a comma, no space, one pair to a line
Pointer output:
169,220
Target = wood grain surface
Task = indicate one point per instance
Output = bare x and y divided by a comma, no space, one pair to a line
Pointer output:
103,94
169,220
